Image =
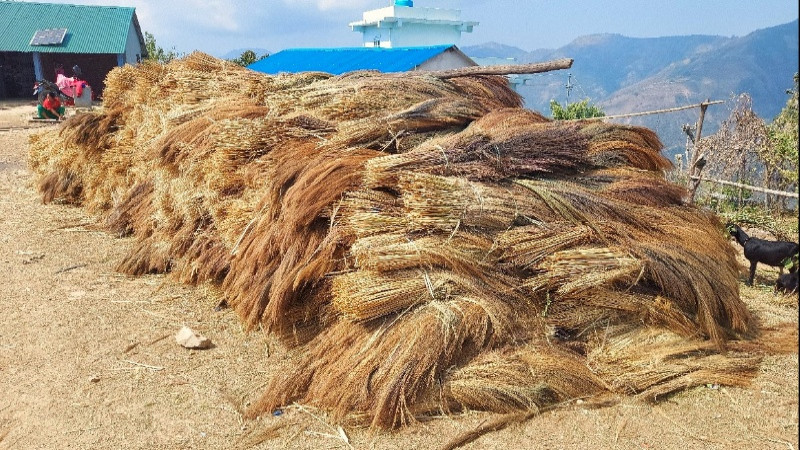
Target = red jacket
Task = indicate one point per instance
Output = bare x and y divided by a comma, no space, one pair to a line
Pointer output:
51,103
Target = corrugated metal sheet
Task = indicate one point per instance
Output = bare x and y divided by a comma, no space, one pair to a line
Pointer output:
337,61
90,29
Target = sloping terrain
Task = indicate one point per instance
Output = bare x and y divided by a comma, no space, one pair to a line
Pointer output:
87,360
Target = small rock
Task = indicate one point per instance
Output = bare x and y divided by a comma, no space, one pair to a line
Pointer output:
94,378
190,339
223,304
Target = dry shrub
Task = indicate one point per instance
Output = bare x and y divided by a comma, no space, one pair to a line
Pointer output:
427,244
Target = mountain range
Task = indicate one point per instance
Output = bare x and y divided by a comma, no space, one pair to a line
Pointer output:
627,75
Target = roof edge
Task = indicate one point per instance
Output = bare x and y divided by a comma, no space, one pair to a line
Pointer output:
140,34
82,6
369,49
455,49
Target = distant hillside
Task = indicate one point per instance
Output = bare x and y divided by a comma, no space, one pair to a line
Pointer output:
493,49
625,75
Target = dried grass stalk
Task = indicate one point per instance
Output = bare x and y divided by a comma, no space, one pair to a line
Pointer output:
427,244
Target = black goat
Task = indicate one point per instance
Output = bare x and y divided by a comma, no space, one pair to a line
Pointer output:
787,283
771,253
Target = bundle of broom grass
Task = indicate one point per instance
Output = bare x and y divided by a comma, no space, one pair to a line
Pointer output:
426,244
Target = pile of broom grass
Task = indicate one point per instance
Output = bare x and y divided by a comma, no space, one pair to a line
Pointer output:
426,245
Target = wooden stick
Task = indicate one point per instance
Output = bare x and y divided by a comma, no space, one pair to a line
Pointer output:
130,347
44,120
65,269
12,128
657,111
158,339
747,186
502,421
696,155
15,128
485,427
155,368
511,69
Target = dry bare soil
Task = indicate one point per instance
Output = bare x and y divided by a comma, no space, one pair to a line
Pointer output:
88,360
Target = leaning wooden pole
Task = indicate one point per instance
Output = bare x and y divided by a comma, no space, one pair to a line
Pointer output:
747,186
510,69
694,170
655,111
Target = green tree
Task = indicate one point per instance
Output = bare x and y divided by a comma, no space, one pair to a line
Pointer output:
783,137
156,53
576,110
753,152
248,57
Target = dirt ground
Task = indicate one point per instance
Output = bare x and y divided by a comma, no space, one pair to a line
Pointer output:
88,359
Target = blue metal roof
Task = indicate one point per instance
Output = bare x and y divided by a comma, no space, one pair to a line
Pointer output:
337,61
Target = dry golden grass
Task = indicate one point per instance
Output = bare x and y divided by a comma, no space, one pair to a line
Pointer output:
427,245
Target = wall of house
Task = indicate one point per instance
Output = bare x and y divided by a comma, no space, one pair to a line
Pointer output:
403,26
412,35
445,61
16,75
418,34
406,12
133,48
94,67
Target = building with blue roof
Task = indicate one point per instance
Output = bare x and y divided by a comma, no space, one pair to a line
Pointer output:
337,61
404,25
398,38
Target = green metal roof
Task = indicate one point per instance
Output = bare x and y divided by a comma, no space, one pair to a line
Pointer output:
90,29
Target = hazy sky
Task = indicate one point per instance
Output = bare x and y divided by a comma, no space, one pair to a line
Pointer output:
219,26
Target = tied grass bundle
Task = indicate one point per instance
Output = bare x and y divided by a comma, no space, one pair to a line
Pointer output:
426,244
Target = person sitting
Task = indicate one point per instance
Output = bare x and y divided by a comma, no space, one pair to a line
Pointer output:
51,107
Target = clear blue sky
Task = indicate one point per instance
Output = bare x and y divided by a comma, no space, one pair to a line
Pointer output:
219,26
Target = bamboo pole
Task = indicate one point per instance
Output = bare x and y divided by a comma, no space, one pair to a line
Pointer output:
510,69
747,186
699,133
657,111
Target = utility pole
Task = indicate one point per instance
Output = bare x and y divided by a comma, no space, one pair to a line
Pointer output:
569,85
